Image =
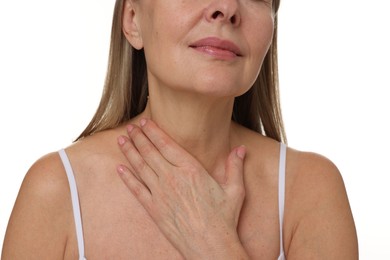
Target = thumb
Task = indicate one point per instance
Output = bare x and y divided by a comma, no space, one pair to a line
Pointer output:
234,170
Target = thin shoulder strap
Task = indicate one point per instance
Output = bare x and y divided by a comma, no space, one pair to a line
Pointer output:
75,203
282,182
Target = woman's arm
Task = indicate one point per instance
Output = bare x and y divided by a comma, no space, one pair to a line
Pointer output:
39,221
317,204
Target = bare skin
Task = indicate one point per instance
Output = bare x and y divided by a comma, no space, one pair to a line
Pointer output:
195,112
318,221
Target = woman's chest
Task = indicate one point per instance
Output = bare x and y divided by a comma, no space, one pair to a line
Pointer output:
117,227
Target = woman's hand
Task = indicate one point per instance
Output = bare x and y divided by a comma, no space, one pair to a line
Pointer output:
196,214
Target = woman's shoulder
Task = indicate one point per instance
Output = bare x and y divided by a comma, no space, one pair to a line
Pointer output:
313,184
46,182
46,178
48,172
44,197
40,219
317,218
95,150
96,142
317,208
310,177
299,164
312,167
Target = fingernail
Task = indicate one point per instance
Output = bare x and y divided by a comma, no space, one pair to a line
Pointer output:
241,151
121,169
142,122
130,128
121,140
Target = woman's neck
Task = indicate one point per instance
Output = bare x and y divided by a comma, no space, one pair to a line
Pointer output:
200,125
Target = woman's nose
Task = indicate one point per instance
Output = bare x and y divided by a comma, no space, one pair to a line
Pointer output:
224,11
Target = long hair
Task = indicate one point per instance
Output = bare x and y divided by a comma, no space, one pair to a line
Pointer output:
126,88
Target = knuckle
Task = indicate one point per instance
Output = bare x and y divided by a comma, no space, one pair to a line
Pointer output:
137,190
175,183
140,165
127,148
135,133
163,142
146,149
194,172
193,176
171,180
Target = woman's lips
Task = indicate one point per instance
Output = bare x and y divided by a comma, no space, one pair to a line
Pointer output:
222,49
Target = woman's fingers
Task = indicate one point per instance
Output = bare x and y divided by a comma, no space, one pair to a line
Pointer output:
171,151
138,164
147,150
235,173
136,187
182,200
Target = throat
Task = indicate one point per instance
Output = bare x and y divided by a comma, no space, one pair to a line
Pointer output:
203,130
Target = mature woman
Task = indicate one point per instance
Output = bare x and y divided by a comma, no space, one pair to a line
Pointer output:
184,158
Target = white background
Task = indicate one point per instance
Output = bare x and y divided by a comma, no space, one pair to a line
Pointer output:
334,75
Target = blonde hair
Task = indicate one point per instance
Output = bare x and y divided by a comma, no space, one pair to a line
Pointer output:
126,88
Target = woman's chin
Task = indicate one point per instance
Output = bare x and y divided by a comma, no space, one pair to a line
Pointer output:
220,88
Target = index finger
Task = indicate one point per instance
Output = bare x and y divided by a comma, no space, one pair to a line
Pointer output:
169,149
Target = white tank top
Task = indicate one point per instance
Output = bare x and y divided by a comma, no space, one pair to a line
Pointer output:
77,213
